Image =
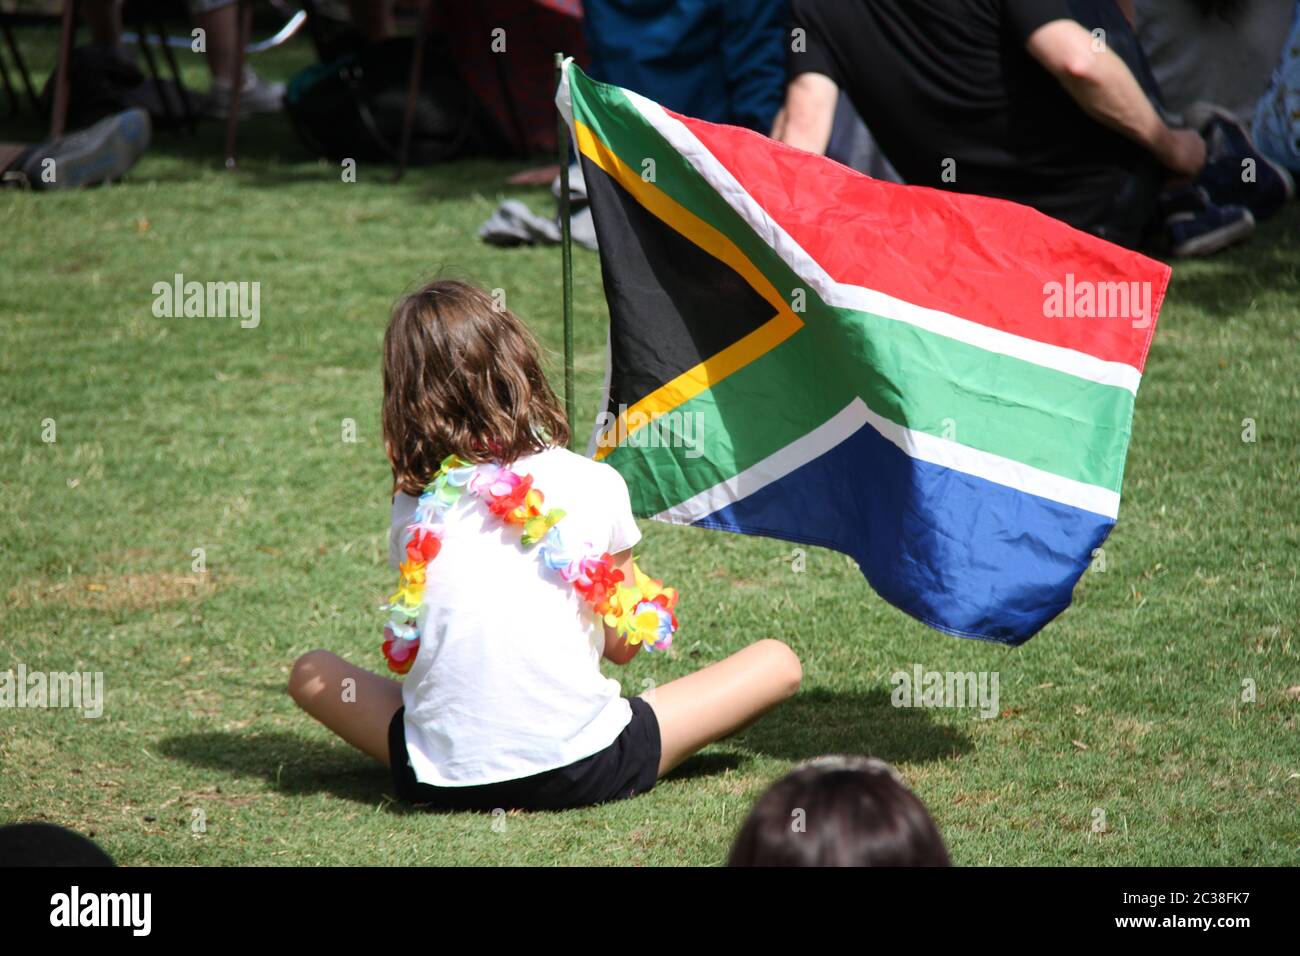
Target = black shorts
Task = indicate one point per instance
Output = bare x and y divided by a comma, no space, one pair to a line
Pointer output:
628,766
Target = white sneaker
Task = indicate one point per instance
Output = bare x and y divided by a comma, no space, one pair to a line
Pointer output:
257,96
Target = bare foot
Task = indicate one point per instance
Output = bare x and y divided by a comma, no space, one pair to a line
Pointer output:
538,176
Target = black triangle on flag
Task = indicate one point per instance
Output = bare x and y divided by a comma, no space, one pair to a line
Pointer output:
672,305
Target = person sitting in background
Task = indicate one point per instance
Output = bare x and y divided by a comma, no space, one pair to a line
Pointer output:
1218,56
716,60
839,811
1213,51
1277,116
1048,103
219,20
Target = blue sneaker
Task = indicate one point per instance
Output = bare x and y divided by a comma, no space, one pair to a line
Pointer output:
1197,227
97,154
1261,185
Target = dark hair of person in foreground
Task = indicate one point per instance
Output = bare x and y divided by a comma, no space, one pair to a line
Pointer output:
47,844
839,811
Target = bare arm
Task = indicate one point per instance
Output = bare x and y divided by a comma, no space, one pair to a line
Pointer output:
805,120
1102,85
617,650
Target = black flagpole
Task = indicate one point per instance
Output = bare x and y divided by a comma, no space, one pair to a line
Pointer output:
566,255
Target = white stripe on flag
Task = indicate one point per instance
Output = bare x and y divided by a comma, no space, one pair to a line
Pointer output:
920,445
806,448
842,295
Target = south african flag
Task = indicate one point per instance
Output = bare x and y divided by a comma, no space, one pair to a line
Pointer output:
939,385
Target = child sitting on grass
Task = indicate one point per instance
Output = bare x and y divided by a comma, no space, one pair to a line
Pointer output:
509,597
839,811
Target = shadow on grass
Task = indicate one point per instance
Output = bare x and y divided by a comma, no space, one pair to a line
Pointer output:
1228,283
818,722
706,765
291,764
296,766
813,723
271,156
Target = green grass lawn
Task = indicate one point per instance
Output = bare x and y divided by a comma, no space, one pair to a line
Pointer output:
177,434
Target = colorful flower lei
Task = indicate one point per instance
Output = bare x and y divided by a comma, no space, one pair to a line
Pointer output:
641,612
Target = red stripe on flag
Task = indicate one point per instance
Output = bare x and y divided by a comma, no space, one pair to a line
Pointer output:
985,260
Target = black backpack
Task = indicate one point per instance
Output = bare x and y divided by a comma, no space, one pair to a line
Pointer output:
354,106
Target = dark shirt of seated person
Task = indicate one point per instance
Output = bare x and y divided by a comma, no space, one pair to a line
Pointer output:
717,60
1016,99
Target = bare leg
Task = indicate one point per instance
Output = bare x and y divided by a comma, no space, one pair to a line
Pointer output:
535,176
221,27
374,18
700,708
104,17
359,712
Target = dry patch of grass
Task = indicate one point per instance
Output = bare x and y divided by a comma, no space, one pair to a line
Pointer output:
115,592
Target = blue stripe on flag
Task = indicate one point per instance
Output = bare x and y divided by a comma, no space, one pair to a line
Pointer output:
963,554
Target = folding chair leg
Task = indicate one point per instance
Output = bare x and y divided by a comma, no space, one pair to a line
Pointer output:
245,28
59,118
142,30
413,88
14,104
20,65
187,108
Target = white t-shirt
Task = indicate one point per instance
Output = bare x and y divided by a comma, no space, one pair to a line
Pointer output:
507,680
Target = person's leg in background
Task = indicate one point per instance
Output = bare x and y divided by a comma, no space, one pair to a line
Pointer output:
1277,117
219,21
1195,218
1229,150
104,20
373,18
220,24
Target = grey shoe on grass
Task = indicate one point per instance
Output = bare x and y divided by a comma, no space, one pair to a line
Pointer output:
97,154
256,96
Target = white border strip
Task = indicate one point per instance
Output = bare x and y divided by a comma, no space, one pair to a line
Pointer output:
564,100
841,295
856,414
929,448
806,448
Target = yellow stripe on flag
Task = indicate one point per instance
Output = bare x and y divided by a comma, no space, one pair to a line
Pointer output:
734,357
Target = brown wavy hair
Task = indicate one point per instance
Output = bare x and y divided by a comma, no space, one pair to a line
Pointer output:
462,375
